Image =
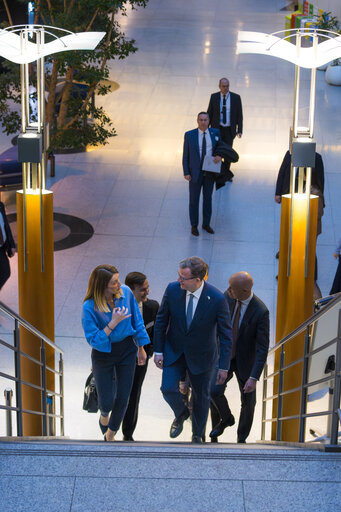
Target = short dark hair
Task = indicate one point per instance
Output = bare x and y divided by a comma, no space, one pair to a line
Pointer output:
197,266
135,279
205,113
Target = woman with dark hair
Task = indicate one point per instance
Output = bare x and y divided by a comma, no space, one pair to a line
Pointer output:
113,327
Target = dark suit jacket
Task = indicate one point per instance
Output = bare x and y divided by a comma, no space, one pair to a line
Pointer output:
9,244
236,112
191,154
149,311
283,178
199,342
253,338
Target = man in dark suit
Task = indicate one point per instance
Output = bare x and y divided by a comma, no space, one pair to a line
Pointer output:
250,333
225,112
283,178
139,285
191,314
7,246
197,144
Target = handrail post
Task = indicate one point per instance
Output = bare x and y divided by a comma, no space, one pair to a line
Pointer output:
304,390
17,370
43,385
265,394
61,392
337,387
49,401
8,393
280,398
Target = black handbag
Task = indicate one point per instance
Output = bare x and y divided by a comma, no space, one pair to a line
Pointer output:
90,402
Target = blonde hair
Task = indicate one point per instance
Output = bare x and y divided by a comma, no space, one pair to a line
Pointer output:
98,282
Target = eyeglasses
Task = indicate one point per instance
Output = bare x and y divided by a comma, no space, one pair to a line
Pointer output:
182,279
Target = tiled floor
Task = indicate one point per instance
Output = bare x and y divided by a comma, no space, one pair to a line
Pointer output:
133,193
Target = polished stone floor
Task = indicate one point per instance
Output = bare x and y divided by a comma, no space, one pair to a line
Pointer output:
133,193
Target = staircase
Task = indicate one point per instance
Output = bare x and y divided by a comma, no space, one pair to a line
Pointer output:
83,476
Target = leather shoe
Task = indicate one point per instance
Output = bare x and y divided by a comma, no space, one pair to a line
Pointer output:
214,439
195,231
219,429
208,229
128,438
178,424
196,440
103,428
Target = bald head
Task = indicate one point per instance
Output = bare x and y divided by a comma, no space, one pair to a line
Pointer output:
240,286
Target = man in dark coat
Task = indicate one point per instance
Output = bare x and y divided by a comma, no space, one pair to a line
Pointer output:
250,334
226,113
283,178
7,246
191,314
139,285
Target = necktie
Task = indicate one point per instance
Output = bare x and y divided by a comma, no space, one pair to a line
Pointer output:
235,328
189,312
224,109
203,150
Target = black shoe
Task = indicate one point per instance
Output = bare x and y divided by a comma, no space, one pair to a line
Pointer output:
219,429
128,438
277,255
196,440
214,439
240,441
208,229
178,423
103,428
194,231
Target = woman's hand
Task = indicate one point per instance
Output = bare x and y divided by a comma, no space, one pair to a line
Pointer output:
141,356
118,315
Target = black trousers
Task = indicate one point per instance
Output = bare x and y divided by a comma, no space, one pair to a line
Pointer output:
220,409
226,134
131,415
114,373
5,269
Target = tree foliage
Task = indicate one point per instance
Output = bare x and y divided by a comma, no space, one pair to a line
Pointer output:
74,119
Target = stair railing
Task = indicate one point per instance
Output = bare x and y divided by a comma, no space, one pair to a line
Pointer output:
47,395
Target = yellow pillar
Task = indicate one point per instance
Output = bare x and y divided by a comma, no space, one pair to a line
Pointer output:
294,300
36,298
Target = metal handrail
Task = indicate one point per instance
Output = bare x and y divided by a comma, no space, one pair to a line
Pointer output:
46,394
29,327
334,410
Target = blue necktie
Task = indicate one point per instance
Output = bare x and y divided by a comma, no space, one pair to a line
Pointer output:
189,312
224,109
203,150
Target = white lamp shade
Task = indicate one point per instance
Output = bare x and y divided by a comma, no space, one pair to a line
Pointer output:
10,45
267,44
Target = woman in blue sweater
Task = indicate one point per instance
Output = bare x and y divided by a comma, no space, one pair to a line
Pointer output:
114,328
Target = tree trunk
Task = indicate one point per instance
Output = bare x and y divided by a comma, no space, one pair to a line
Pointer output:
65,96
50,108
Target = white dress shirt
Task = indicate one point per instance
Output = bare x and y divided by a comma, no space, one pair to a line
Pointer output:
228,110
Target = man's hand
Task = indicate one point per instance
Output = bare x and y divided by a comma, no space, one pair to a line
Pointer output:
250,385
336,255
278,199
158,360
188,177
217,159
239,135
221,377
141,356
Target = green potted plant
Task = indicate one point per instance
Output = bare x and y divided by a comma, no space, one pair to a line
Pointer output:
326,21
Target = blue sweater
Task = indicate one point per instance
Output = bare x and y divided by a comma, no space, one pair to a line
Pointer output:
94,322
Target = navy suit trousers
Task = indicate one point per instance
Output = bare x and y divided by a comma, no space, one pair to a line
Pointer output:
200,384
207,185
